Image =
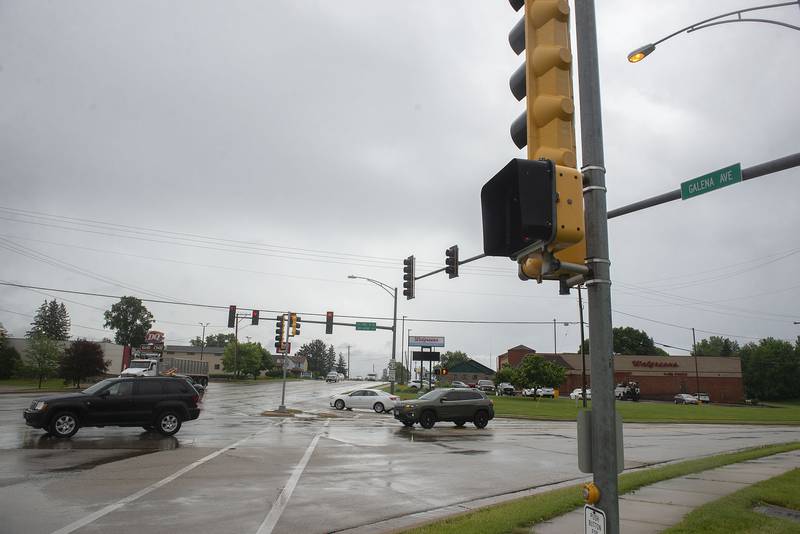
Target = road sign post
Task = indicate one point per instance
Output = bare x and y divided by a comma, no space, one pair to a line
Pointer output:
712,181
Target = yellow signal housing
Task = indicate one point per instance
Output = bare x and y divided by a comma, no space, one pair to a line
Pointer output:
551,126
548,82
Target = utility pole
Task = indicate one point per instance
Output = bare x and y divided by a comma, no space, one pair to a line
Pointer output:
696,372
604,436
403,354
555,343
348,362
203,340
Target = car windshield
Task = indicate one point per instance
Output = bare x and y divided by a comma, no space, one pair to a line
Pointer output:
139,365
433,394
91,390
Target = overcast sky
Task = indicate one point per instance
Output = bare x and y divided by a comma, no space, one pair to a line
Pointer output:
256,153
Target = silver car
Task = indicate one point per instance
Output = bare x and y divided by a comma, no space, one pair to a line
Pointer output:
371,399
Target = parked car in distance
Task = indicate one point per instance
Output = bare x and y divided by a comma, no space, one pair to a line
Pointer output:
702,397
577,394
504,388
333,376
458,384
545,392
684,398
487,386
154,403
372,399
446,404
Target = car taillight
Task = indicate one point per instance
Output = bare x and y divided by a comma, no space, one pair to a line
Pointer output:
195,398
393,398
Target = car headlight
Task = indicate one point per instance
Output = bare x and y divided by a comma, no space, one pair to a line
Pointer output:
407,407
40,406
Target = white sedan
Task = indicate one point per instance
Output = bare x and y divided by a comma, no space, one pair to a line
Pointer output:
373,399
577,394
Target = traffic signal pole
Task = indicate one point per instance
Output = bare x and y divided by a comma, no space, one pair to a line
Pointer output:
604,437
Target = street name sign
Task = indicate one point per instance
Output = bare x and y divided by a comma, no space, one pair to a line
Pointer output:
595,520
366,326
709,182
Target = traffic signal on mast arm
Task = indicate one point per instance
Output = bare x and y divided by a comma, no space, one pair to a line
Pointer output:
295,324
254,317
279,327
231,316
408,277
329,322
451,261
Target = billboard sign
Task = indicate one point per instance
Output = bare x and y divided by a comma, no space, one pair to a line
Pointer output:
426,341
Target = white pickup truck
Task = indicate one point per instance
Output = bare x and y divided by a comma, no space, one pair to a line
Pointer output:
153,367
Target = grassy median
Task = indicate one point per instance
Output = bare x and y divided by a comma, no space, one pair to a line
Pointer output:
521,514
734,513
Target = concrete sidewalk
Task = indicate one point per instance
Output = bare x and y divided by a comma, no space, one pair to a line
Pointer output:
659,506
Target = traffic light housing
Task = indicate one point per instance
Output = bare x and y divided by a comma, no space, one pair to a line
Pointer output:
254,317
451,261
329,322
231,316
545,79
279,329
295,324
408,277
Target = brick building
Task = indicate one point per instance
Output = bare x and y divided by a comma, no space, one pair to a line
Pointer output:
659,377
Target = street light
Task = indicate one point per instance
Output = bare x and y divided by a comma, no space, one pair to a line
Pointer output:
203,340
643,51
392,293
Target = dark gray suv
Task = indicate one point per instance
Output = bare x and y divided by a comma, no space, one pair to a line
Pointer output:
456,405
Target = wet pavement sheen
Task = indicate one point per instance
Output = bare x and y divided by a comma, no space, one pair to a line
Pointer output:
365,468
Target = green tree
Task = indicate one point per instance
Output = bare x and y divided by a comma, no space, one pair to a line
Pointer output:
43,356
341,365
52,321
330,360
267,361
451,358
130,319
507,374
82,359
10,360
771,369
316,353
536,371
630,341
716,346
246,362
217,340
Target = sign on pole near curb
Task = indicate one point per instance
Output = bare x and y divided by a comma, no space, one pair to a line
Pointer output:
709,182
594,520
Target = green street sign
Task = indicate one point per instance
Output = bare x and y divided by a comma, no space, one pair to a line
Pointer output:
711,181
366,326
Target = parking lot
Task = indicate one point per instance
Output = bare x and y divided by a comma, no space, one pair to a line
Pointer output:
234,470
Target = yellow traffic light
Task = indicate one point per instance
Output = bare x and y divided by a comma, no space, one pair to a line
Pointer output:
548,82
294,322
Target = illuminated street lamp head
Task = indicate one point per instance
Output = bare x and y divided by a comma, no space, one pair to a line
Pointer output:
641,52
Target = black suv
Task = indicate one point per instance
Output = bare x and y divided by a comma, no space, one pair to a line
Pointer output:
154,403
456,405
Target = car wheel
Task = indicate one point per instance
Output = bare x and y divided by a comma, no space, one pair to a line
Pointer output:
378,407
408,424
339,404
481,419
168,423
459,423
64,425
427,419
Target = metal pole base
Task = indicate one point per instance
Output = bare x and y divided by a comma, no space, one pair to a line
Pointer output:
281,408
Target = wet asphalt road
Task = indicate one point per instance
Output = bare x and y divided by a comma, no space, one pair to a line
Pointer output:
236,471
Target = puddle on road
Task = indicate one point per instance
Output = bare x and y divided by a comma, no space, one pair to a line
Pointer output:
144,441
100,461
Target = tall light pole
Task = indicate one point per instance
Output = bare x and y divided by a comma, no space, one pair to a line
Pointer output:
643,51
203,340
392,293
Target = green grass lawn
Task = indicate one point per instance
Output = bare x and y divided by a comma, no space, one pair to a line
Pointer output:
734,513
33,383
564,409
518,515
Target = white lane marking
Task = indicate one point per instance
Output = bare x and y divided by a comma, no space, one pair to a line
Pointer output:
72,527
283,499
